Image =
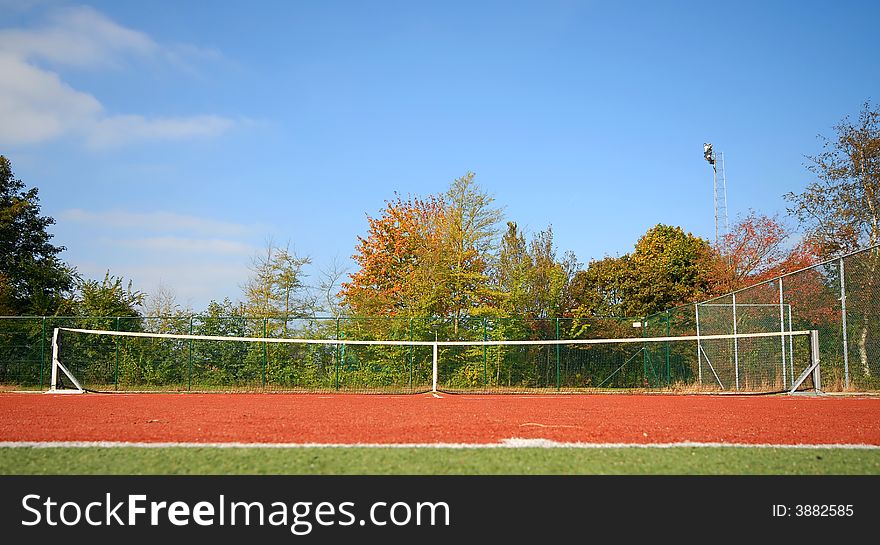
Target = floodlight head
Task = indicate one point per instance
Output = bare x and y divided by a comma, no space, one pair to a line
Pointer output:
707,153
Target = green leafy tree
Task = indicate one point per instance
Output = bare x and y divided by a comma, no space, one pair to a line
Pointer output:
598,290
512,271
277,286
469,238
109,297
33,280
550,278
668,268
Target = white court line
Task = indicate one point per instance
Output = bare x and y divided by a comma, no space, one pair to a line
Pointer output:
436,395
505,443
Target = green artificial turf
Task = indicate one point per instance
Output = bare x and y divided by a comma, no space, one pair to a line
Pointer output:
440,461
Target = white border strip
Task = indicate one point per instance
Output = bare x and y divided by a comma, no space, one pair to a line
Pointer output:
506,443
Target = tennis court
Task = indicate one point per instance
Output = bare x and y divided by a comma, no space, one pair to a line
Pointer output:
440,419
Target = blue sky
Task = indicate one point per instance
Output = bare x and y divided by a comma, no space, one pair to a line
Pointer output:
169,140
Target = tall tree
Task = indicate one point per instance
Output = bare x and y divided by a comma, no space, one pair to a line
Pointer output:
512,272
550,278
33,280
470,231
276,287
841,208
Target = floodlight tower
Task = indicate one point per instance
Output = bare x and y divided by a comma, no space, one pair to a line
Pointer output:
719,182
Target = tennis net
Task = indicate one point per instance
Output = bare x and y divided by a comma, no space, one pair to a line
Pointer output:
99,360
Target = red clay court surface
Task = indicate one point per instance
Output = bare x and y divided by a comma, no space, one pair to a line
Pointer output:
425,419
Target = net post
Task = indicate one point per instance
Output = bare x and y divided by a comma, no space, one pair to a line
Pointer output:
53,384
56,365
434,365
812,368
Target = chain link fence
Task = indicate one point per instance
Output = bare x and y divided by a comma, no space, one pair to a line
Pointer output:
839,298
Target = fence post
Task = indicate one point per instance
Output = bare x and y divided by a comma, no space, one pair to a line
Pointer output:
411,355
189,368
843,321
558,349
42,348
668,334
485,356
265,351
645,355
699,346
116,368
336,380
782,330
735,346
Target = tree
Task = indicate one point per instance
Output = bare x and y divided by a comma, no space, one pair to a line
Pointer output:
549,278
32,277
400,259
276,287
110,297
512,271
841,209
668,268
755,250
598,290
470,228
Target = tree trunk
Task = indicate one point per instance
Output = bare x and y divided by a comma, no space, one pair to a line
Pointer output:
863,334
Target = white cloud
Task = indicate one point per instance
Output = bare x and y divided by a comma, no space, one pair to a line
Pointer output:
80,37
159,222
202,258
123,129
188,246
37,106
195,282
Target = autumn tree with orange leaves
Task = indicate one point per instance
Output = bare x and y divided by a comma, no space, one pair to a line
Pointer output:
400,267
756,249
